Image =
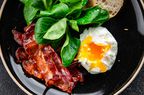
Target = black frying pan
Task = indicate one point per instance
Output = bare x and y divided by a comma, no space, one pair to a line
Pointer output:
128,29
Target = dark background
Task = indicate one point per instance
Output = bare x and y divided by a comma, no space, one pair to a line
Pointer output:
8,87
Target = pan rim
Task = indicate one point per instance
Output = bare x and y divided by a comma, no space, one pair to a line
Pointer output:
117,92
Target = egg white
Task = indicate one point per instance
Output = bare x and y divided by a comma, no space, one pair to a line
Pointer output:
100,35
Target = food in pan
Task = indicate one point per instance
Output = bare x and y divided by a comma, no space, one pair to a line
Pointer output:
98,50
112,6
63,35
42,62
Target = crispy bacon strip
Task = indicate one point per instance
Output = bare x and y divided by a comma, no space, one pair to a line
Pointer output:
21,55
18,37
29,28
43,62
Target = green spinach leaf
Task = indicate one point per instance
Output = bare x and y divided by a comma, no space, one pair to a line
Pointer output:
41,27
69,50
47,3
23,1
76,9
42,4
93,15
69,1
29,11
38,4
57,30
74,25
57,11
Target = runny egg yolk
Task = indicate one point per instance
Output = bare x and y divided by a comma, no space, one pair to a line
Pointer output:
94,52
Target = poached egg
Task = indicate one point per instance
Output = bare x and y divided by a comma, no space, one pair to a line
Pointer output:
98,50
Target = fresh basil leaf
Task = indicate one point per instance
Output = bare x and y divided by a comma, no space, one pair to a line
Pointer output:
69,50
42,4
57,30
93,15
57,11
74,25
29,11
69,1
41,27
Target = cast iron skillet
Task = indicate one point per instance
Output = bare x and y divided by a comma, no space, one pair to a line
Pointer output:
128,29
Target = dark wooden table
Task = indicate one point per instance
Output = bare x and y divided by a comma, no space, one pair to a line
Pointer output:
8,87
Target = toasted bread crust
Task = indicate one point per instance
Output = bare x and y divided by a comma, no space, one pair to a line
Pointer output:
113,6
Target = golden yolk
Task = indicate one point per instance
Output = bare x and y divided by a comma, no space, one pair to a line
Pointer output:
94,53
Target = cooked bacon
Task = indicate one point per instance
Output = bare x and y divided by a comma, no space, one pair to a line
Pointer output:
29,28
76,74
29,43
18,37
20,54
43,62
65,82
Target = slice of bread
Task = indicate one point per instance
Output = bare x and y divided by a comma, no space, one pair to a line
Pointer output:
113,6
